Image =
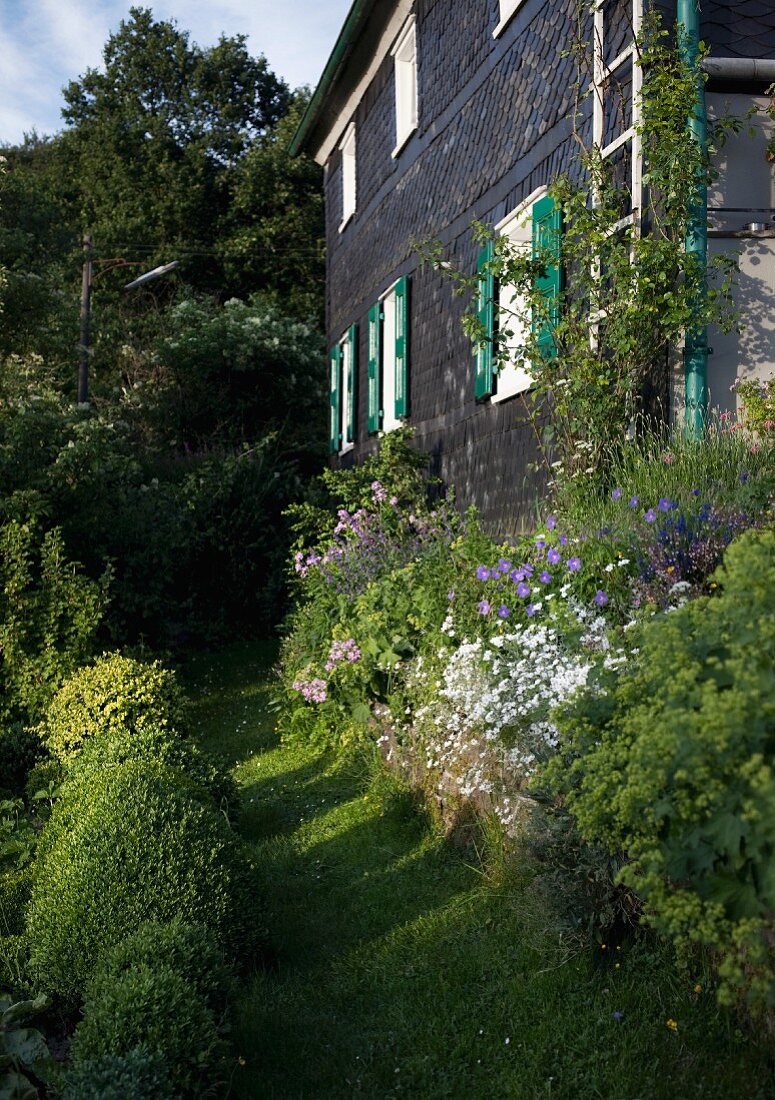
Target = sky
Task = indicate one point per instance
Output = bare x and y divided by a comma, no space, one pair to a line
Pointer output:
46,43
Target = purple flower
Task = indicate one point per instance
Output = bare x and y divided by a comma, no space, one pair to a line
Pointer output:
517,575
553,556
665,504
563,540
503,612
633,502
530,610
483,573
600,598
574,564
484,607
378,492
551,522
695,492
616,494
545,577
451,595
527,569
650,516
504,565
540,544
523,589
618,1015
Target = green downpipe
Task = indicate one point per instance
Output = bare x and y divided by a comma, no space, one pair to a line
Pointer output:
696,340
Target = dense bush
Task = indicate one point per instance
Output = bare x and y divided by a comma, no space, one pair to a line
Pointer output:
191,950
155,1009
162,745
20,751
49,613
15,889
115,695
671,761
133,844
136,1075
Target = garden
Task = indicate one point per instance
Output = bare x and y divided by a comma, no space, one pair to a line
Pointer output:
310,787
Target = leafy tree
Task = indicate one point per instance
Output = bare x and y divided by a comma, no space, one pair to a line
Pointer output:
282,249
157,134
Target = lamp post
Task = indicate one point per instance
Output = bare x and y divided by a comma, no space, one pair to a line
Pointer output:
87,279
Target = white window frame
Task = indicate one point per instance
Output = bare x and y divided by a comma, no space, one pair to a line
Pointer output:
513,377
349,179
346,350
387,397
404,54
508,10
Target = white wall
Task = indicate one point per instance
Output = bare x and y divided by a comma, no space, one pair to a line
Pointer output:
744,192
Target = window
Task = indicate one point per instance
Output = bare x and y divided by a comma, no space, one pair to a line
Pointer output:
347,146
534,226
343,372
405,60
507,9
388,373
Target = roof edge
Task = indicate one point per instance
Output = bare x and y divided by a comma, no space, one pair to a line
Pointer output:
356,17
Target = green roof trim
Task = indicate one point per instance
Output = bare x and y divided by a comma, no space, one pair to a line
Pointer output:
348,35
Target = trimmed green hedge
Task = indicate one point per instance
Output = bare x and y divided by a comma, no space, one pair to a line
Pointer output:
136,1075
157,1009
134,843
159,745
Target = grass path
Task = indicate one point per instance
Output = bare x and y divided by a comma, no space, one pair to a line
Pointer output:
400,971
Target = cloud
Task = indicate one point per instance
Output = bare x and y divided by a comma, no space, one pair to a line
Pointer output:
46,43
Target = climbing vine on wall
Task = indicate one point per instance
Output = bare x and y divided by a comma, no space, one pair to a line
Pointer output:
628,290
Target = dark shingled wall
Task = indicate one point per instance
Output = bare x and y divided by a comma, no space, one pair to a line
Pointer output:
495,122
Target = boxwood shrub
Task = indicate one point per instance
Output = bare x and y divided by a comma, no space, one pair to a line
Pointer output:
161,745
134,843
156,1009
672,763
191,950
136,1075
115,694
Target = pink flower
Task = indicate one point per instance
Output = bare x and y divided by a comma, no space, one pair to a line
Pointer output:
668,459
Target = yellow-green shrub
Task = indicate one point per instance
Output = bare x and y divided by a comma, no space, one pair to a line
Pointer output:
116,694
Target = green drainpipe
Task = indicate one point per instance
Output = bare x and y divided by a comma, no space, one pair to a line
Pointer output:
696,341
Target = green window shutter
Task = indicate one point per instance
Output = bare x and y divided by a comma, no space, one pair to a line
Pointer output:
402,346
375,369
335,390
547,239
485,311
352,377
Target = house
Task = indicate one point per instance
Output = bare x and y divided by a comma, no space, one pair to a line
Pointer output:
431,113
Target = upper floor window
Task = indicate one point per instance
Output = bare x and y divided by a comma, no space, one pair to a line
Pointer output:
405,60
347,147
508,8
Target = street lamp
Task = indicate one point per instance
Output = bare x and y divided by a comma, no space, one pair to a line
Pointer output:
86,285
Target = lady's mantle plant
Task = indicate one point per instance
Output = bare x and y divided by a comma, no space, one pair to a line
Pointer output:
671,761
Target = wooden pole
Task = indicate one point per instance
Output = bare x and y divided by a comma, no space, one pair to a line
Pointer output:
84,347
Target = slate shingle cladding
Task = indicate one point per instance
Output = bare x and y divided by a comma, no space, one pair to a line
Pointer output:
741,28
496,120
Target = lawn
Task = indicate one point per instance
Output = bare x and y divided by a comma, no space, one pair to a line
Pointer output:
399,967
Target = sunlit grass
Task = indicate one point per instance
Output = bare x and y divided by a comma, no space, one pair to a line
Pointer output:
400,968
